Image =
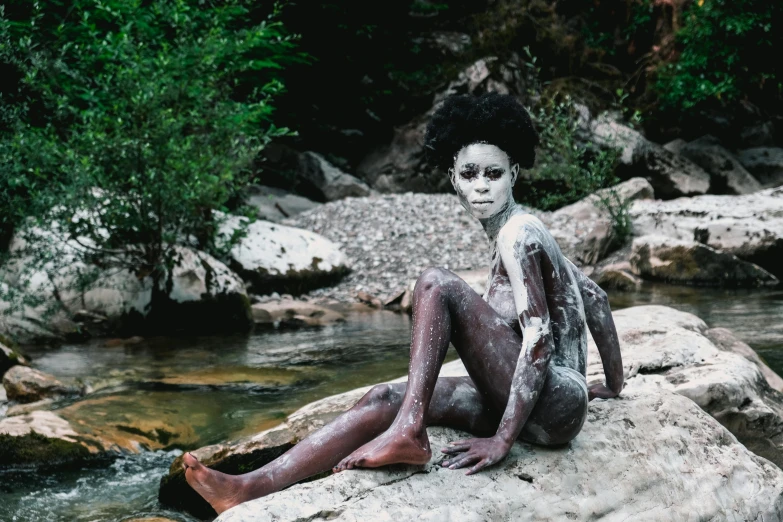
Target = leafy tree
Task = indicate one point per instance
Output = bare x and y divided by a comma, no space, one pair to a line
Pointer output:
134,121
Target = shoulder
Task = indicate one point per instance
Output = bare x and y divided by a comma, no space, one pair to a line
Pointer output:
522,230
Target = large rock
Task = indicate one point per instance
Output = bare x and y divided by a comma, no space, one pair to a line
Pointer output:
23,384
585,230
199,294
749,226
727,175
765,163
275,204
279,258
333,183
670,175
660,258
291,313
664,351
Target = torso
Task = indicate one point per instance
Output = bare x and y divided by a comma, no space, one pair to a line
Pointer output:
566,309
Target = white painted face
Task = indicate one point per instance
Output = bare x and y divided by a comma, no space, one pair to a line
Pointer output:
483,178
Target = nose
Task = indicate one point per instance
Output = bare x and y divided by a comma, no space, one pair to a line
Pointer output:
482,185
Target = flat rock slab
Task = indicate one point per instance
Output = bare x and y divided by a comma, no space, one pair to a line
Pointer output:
643,457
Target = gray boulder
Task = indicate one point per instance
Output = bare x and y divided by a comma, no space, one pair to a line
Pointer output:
332,182
765,163
749,226
670,174
25,385
275,204
691,465
10,358
279,258
727,175
585,230
660,258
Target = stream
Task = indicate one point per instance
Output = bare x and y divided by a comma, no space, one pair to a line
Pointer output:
211,389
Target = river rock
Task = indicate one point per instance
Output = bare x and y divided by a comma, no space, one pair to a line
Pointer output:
333,183
9,358
670,175
724,339
765,163
585,230
748,226
284,259
727,175
275,204
616,276
292,313
664,351
23,384
660,258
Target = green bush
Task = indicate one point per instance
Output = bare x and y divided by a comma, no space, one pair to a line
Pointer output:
728,51
134,121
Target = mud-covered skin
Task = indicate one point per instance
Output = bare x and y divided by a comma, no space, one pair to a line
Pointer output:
523,344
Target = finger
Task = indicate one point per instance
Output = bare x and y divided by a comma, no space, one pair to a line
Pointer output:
480,465
451,450
466,460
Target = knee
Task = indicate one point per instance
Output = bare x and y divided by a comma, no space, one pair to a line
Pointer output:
381,395
433,278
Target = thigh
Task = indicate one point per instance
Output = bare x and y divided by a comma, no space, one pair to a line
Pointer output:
487,345
560,410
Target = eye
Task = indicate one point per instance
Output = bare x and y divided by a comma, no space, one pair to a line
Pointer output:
494,173
468,173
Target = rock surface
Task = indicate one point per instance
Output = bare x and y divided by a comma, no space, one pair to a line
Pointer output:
332,182
748,226
660,258
280,258
765,163
23,384
584,230
689,466
727,175
291,313
670,175
275,204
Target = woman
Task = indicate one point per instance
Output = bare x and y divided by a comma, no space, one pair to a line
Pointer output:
524,343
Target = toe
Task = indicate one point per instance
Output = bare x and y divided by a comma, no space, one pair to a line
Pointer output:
189,461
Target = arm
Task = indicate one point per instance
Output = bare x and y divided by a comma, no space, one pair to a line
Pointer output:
521,258
601,325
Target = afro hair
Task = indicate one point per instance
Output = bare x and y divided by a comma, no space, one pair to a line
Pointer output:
496,119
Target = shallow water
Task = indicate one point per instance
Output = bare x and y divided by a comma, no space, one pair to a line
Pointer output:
208,389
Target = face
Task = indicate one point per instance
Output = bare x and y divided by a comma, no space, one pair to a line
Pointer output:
483,179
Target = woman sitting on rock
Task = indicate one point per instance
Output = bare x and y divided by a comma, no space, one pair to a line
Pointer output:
524,343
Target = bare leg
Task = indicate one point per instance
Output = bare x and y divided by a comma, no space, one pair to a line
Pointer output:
445,309
456,403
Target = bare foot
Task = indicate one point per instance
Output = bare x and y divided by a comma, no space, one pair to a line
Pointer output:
392,447
220,490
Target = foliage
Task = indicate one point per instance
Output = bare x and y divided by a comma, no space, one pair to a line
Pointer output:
727,53
568,165
617,207
135,121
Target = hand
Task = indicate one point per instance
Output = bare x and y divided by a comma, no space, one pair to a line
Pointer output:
600,391
479,453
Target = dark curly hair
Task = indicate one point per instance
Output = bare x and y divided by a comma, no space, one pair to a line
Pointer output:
497,119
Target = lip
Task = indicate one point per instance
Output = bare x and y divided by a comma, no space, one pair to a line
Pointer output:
483,201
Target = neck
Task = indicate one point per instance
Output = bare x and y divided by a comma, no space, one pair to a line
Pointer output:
493,224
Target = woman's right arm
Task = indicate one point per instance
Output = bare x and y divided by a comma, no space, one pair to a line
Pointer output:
601,325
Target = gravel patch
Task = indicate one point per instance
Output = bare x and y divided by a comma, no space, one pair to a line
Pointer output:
390,239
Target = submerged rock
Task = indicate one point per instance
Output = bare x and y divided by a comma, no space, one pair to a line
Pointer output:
291,313
748,226
280,258
660,258
691,464
23,384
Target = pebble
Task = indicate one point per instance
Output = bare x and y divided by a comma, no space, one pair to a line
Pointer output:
391,239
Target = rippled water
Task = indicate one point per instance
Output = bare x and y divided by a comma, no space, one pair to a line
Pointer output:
183,381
